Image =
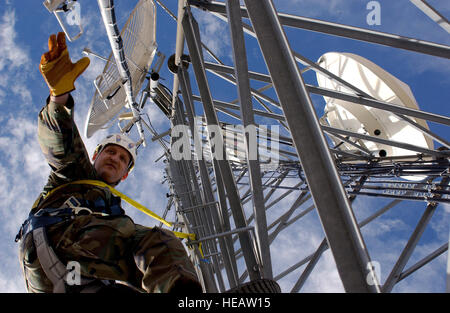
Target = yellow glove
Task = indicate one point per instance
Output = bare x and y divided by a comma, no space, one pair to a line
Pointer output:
58,70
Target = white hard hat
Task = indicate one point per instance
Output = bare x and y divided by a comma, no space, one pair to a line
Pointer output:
120,140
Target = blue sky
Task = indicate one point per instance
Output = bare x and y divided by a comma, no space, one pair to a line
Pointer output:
25,28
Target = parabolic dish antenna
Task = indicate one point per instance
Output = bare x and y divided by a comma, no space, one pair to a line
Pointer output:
381,85
139,44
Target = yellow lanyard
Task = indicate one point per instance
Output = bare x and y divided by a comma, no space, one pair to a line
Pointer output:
124,197
136,204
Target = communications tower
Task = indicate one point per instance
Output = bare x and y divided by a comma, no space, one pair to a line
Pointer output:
258,177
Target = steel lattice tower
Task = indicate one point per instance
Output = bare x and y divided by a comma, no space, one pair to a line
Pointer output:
243,174
229,202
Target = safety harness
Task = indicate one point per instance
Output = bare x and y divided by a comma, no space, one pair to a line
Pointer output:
37,222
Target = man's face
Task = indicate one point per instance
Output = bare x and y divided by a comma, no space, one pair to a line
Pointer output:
112,163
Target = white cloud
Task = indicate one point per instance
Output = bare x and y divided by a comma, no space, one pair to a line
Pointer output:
14,60
384,226
440,222
11,54
430,278
214,34
334,9
297,242
325,278
12,284
24,170
23,173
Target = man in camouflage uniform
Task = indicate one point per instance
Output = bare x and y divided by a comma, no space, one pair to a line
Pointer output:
107,244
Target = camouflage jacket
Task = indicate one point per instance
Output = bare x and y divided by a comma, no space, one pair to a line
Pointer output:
69,161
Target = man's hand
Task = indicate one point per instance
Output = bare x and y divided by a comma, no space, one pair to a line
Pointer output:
58,70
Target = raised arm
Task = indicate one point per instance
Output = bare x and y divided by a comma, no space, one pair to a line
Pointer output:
58,135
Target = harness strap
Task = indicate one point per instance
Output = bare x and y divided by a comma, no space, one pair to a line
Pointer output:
131,202
49,216
138,206
52,266
115,192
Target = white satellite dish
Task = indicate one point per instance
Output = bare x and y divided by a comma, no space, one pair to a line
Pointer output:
381,85
139,44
